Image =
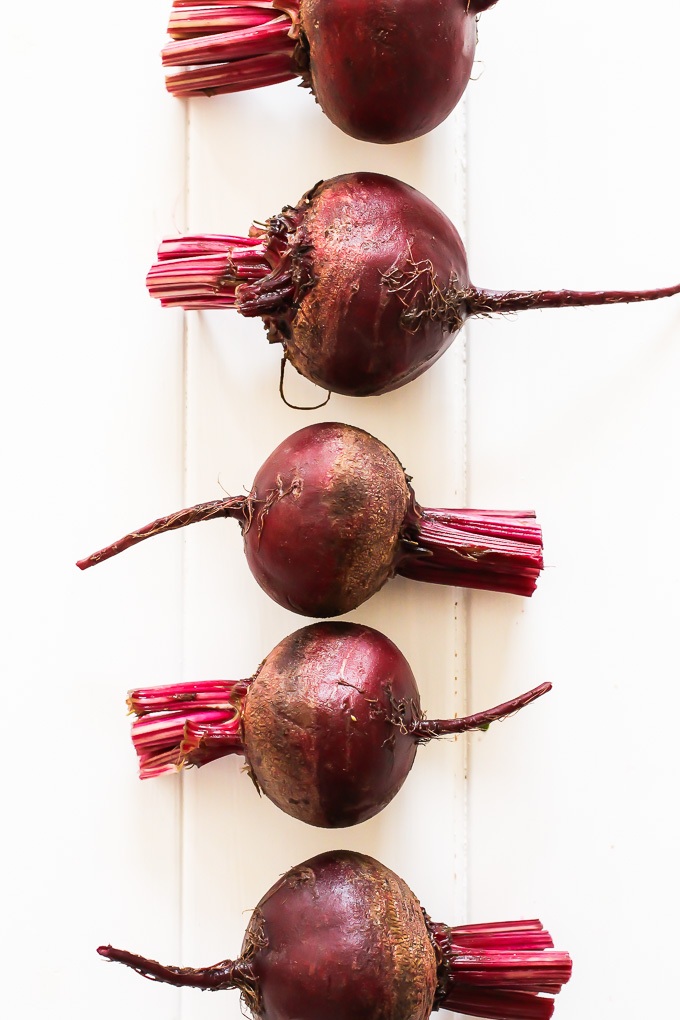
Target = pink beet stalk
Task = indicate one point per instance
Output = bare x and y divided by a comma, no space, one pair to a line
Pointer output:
204,271
185,724
497,550
500,971
230,47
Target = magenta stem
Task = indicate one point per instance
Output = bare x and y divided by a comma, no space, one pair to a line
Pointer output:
207,18
230,47
500,971
232,506
496,1005
186,724
253,41
485,549
221,79
427,728
486,302
227,974
204,270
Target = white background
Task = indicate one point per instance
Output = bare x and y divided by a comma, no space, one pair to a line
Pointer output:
561,169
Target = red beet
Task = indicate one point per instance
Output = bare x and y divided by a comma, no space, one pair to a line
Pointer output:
365,283
329,724
332,516
382,70
344,938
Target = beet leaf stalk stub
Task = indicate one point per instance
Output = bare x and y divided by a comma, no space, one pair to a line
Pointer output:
342,935
365,283
185,723
348,495
482,549
502,971
230,47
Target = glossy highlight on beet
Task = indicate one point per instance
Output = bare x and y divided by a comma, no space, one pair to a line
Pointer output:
331,517
365,283
329,724
381,70
341,936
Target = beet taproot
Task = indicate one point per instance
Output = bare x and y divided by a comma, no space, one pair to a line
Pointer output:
342,937
381,70
331,517
365,283
329,725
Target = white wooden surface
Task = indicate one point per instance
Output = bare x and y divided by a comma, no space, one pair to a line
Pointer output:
574,166
115,411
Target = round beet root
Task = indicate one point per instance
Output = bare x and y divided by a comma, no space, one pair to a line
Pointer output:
329,725
388,71
348,495
331,516
365,283
344,938
382,70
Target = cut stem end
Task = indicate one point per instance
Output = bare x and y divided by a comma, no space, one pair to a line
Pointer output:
503,971
186,724
230,47
484,549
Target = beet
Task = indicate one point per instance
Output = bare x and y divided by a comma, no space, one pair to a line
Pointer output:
342,937
331,517
365,283
382,70
329,724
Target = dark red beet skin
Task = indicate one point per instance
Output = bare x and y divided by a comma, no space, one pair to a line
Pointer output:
381,70
348,498
341,937
388,70
364,283
329,725
331,517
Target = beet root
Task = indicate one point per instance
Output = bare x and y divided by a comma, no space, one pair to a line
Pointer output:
365,283
381,71
332,516
329,724
341,936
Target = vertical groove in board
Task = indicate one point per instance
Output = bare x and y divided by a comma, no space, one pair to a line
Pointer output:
185,501
462,902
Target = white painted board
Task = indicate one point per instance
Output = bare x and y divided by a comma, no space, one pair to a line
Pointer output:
574,165
92,391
